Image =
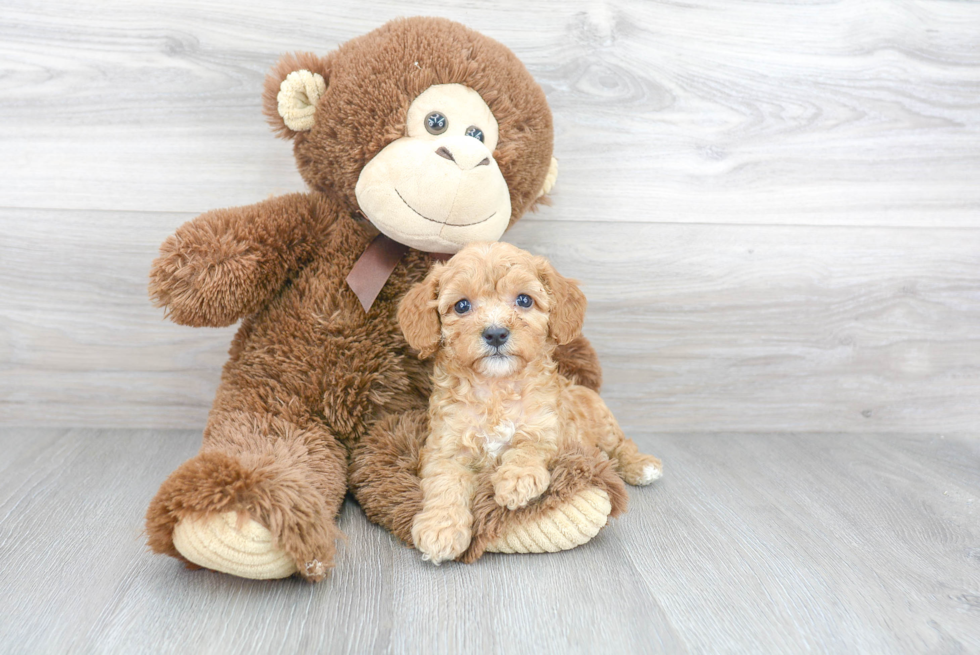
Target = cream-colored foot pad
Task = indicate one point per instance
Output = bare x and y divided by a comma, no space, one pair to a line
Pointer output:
565,527
218,543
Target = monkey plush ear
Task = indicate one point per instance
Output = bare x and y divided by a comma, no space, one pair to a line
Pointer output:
567,304
292,90
549,179
418,315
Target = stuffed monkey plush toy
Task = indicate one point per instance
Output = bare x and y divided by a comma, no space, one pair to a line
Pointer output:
414,139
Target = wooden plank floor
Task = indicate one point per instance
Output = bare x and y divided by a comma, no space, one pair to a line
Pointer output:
750,543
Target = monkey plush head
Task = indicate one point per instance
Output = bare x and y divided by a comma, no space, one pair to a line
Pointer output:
434,132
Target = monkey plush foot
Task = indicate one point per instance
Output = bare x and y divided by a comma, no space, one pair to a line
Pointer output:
566,526
246,518
225,543
585,492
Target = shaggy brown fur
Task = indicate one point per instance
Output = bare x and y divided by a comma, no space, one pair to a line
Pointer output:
371,81
311,375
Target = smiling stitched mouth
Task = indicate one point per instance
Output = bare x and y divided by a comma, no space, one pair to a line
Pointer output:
432,220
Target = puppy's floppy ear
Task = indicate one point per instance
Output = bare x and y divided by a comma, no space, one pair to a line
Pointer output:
568,303
418,315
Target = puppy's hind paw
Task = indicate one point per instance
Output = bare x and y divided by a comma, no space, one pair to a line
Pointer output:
644,470
650,474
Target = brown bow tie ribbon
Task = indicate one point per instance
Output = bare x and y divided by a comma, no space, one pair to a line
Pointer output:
375,265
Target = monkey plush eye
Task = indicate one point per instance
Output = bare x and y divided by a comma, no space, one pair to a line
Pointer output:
462,306
436,123
524,301
475,132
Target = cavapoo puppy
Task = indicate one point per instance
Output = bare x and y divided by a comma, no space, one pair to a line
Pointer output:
493,316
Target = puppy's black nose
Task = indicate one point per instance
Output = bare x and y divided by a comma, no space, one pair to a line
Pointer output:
496,336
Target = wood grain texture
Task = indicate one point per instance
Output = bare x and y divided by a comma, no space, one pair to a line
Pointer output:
707,327
717,158
750,543
816,113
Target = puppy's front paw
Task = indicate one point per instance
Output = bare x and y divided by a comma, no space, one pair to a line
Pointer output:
642,470
516,487
440,538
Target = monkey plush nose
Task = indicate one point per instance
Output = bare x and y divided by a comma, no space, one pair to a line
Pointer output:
496,336
464,151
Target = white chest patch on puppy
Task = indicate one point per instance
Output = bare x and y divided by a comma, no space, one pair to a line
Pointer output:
495,441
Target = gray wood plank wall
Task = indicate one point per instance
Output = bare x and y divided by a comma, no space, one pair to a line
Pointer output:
774,207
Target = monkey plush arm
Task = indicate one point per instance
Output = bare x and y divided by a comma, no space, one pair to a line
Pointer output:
227,263
577,361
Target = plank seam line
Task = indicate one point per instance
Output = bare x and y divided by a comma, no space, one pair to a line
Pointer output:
532,219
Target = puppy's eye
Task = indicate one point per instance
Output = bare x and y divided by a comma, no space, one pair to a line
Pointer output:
436,123
462,306
524,301
474,132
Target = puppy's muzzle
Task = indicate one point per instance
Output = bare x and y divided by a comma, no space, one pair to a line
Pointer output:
496,336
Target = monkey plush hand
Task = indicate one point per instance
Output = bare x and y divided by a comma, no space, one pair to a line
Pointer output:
414,139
